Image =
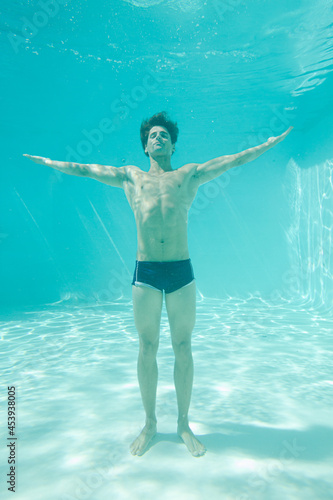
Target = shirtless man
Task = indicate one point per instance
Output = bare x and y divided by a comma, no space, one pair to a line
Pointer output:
160,200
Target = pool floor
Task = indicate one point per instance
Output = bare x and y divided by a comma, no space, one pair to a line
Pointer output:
261,404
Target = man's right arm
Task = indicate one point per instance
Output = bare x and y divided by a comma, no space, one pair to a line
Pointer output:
113,176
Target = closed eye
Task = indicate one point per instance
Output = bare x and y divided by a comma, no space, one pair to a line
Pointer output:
163,134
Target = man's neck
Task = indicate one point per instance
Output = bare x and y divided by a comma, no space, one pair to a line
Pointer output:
160,165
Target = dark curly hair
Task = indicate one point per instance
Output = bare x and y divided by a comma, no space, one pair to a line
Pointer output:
162,120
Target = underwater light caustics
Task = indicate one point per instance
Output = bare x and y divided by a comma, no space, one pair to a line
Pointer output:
183,5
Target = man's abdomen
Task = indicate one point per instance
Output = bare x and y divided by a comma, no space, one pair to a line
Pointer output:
162,246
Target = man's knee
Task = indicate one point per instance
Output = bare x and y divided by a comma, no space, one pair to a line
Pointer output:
148,347
182,348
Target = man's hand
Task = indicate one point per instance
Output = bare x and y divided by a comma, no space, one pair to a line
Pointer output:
39,159
275,140
63,166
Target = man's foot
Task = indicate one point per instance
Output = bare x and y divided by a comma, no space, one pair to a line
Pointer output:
193,444
139,445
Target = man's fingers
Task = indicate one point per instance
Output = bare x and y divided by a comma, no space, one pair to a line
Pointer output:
37,159
282,136
31,156
279,138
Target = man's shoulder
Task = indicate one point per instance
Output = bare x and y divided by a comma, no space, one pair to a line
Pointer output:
189,168
131,169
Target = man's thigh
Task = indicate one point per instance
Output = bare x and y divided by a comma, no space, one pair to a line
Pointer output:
147,308
181,309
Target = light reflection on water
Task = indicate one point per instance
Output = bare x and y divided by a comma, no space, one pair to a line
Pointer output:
261,404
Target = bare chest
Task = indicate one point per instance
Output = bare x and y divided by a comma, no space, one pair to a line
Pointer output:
159,195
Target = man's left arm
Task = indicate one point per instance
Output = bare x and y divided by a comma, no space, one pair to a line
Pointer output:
211,169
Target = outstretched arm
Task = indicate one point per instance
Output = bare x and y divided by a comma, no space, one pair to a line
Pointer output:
113,176
211,169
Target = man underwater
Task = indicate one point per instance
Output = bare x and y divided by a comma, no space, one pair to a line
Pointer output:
160,200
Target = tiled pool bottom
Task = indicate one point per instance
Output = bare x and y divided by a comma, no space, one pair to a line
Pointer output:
261,404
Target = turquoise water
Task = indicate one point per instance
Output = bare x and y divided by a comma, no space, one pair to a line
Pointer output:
260,240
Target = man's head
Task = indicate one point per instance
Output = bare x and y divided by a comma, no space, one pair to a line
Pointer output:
158,129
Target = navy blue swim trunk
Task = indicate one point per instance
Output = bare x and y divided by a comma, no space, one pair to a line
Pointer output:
168,276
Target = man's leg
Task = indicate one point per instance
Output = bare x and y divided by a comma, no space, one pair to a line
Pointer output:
181,313
147,307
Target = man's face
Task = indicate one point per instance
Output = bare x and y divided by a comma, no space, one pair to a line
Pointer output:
159,142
